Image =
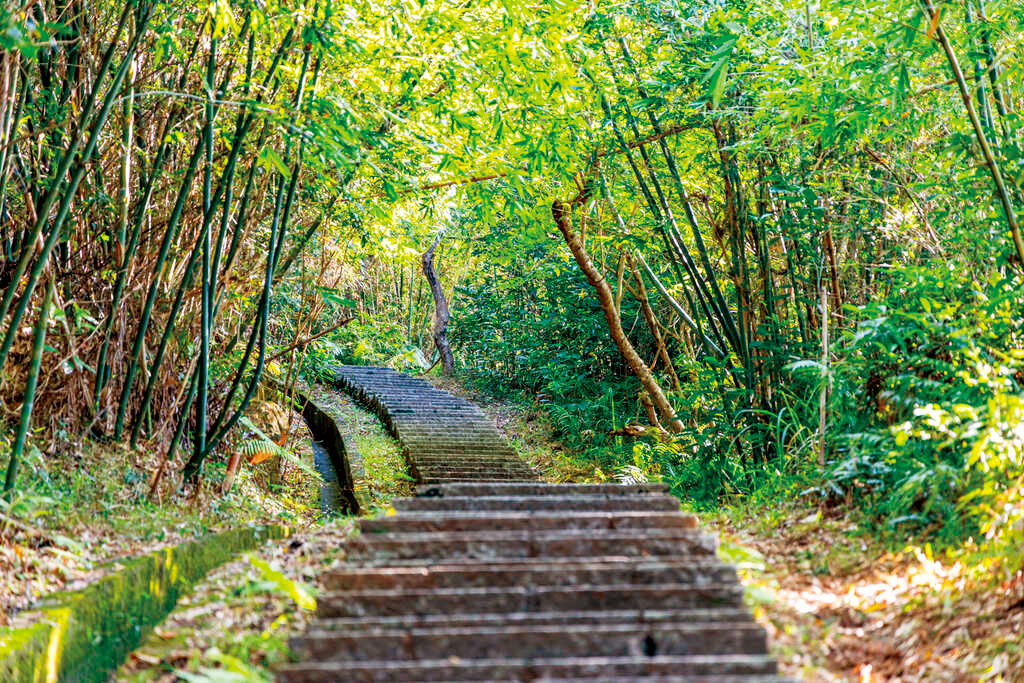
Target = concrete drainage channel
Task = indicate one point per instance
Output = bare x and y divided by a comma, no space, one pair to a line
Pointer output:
503,578
334,457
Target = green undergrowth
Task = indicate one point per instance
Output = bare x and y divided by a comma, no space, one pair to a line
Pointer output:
70,515
81,635
235,625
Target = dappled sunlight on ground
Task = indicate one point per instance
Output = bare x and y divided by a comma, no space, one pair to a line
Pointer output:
838,608
240,616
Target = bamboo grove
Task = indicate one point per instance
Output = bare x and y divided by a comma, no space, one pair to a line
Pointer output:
786,235
144,198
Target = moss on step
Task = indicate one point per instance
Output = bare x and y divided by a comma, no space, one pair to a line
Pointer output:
85,634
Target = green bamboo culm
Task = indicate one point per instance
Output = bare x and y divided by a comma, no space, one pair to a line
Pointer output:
729,323
25,423
205,321
190,268
43,211
163,151
62,212
278,230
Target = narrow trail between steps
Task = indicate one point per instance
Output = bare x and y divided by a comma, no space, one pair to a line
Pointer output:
486,575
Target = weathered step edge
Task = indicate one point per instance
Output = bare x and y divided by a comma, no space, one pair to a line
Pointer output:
702,668
84,635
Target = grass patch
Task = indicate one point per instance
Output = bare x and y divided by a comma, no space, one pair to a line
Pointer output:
239,619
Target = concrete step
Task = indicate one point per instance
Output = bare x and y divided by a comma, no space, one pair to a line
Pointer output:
442,449
470,456
438,480
523,521
458,469
637,617
467,459
466,468
482,441
600,598
441,481
564,640
472,452
441,438
427,414
585,502
693,669
535,489
688,572
443,446
411,426
468,427
438,476
433,475
530,544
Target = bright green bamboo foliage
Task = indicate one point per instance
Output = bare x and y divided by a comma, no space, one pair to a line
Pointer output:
979,131
710,275
25,422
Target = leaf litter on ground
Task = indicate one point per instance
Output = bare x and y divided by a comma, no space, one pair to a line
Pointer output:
839,606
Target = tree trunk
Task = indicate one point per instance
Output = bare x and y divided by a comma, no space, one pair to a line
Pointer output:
441,314
652,324
560,212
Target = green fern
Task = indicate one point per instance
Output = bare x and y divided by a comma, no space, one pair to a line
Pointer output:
262,443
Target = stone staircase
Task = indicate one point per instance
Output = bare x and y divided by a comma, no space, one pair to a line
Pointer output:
523,581
446,438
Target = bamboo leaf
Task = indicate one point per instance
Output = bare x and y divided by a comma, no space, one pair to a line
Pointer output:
716,75
272,160
300,593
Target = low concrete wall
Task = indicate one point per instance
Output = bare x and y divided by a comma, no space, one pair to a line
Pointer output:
84,635
326,430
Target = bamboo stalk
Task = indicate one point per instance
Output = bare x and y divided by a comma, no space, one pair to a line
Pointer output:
25,423
48,200
979,131
205,319
65,205
823,401
716,300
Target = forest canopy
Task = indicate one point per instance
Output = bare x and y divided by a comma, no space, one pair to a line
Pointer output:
734,245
